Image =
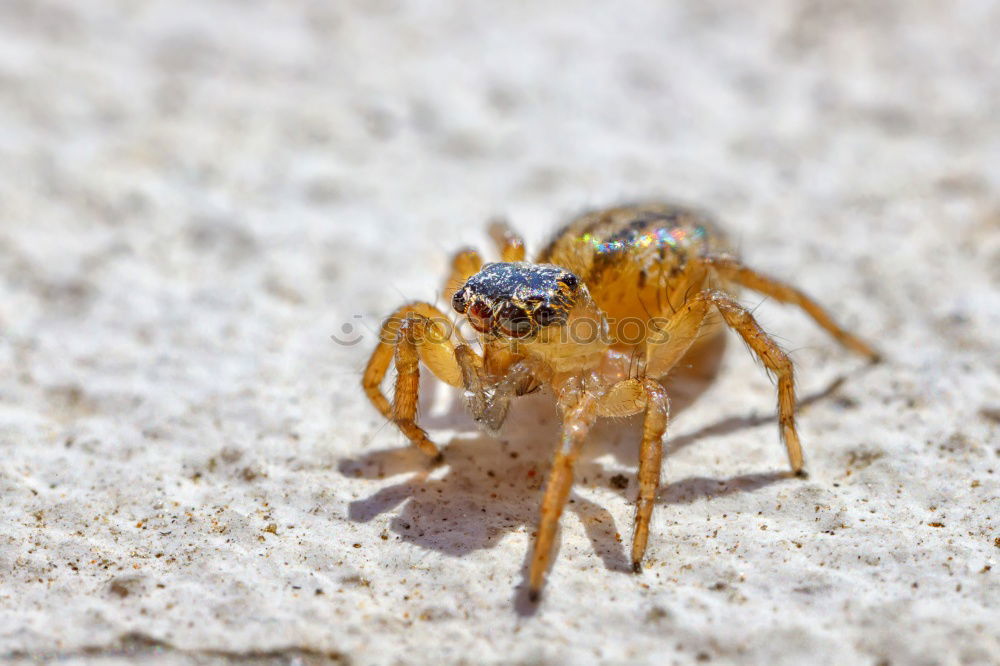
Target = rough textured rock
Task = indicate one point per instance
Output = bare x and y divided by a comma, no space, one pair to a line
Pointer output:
195,196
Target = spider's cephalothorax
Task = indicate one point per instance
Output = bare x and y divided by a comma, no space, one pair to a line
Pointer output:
528,314
517,299
616,300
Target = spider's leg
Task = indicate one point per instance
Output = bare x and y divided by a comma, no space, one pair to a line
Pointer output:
576,422
404,404
680,329
731,269
415,332
464,265
628,397
508,242
654,425
774,359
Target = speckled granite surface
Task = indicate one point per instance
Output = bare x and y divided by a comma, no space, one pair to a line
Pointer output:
195,196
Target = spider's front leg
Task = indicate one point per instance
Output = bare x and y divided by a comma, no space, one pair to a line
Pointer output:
630,397
415,332
576,423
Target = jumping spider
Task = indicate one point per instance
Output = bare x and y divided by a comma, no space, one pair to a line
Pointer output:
615,301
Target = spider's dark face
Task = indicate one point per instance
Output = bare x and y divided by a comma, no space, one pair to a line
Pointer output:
516,300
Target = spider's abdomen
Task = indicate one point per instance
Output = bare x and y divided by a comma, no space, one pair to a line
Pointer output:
636,260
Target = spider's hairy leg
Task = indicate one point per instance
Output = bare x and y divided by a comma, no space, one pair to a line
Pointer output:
464,265
628,397
415,332
676,335
576,423
508,242
731,269
654,425
404,405
775,360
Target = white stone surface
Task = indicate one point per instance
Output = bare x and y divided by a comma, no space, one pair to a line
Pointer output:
195,195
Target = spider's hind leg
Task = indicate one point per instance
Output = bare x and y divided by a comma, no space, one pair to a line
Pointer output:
508,242
731,269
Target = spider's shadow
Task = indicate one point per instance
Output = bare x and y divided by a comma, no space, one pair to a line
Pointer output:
487,488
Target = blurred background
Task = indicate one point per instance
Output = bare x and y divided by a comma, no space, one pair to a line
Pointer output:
194,196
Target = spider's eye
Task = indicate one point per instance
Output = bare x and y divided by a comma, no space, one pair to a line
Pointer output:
480,316
570,281
513,321
545,315
459,302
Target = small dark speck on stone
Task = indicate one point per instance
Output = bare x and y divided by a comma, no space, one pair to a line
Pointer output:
656,613
119,588
619,481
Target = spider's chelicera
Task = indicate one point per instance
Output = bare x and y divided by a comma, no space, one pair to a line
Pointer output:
615,301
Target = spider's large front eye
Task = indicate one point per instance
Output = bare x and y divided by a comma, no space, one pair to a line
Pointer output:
545,315
459,301
480,316
513,321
